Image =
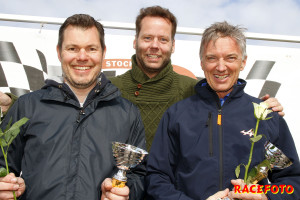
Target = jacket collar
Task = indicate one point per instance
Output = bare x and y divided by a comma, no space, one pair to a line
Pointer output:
141,77
60,91
205,91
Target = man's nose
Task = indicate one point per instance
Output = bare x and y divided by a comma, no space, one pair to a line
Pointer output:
155,43
82,54
221,65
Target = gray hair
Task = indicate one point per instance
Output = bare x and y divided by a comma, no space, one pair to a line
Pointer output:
224,29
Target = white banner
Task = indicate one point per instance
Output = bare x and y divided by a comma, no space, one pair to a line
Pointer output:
272,70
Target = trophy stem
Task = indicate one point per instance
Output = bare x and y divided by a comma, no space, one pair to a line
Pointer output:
262,173
119,179
126,157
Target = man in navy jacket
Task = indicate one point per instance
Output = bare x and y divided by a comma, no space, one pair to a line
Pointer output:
199,142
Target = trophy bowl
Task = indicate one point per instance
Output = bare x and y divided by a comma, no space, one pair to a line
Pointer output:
276,157
126,156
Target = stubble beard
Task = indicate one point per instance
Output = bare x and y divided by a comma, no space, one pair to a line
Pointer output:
146,68
80,85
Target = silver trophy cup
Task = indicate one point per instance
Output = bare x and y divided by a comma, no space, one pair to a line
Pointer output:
276,157
126,156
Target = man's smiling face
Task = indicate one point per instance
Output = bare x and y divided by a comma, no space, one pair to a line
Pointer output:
222,62
154,45
81,57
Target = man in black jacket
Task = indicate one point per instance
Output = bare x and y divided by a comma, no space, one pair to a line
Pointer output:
65,150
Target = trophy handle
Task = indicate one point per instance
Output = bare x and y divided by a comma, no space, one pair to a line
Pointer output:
119,179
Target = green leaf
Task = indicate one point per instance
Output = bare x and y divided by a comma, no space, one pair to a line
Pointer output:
8,125
2,142
1,114
1,132
268,118
3,172
253,172
237,171
255,139
14,130
266,163
248,181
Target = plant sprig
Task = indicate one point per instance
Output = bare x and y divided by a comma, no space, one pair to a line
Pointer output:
260,112
6,138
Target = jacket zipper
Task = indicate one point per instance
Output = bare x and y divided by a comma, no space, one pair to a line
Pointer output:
210,133
81,112
101,98
219,122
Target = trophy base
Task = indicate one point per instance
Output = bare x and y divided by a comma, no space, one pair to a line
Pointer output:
117,183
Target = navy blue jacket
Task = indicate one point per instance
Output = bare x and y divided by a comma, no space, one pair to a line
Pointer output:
64,151
192,157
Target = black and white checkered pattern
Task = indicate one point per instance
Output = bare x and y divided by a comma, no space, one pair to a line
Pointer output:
258,83
22,69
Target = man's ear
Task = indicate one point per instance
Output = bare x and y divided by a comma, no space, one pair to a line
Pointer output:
202,65
103,53
58,53
134,42
103,57
173,46
243,63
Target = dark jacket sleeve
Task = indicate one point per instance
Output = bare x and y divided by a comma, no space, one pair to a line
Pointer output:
15,150
136,175
289,176
160,179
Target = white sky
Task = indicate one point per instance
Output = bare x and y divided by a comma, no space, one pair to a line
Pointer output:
260,16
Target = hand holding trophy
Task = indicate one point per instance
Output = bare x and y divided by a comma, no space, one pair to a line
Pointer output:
127,156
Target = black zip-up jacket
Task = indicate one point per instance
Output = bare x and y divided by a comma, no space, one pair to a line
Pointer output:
64,151
193,156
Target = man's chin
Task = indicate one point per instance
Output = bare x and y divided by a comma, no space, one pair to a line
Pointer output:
223,90
155,67
81,84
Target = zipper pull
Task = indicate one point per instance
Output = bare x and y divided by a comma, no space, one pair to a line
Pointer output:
208,119
81,112
219,121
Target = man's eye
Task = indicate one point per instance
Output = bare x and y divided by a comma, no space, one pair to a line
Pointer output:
72,49
211,59
231,59
93,49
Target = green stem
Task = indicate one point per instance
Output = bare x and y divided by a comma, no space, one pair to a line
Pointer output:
5,158
7,170
251,152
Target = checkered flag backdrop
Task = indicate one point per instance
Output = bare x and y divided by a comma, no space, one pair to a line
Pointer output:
258,83
22,69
